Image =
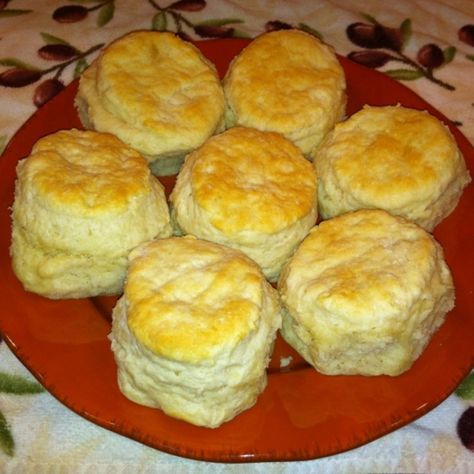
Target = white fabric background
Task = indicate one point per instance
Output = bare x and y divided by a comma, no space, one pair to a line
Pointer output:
50,438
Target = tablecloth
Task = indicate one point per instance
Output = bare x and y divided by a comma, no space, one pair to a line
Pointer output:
427,45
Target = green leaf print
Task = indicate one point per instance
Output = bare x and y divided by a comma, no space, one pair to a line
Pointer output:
7,444
10,13
81,66
369,18
404,74
308,29
448,54
106,13
14,62
51,39
159,22
3,142
240,34
220,21
466,388
405,31
17,384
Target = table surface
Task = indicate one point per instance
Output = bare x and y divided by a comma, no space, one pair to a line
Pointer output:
37,433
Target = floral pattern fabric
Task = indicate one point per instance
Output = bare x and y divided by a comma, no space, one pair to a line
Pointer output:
427,45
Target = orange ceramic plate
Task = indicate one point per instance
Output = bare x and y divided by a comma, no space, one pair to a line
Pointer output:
301,414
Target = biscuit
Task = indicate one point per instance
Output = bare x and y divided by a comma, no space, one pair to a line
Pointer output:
157,93
394,158
249,190
364,293
83,200
194,330
289,82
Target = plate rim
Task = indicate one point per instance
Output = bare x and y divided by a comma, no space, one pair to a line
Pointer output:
304,454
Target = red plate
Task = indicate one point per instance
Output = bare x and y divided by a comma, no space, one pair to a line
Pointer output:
301,414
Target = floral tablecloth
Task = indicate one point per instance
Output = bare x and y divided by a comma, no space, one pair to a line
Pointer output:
428,45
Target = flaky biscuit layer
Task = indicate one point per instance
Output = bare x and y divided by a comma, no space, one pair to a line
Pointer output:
193,332
364,293
83,200
250,190
156,92
289,82
402,160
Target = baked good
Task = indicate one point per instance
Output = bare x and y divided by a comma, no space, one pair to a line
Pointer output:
364,293
394,158
157,93
249,190
83,200
193,332
289,82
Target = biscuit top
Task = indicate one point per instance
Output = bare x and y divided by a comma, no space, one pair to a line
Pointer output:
156,83
287,79
365,266
189,298
250,180
390,153
91,172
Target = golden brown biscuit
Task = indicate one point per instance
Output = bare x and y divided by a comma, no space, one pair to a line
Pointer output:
289,82
364,293
394,158
194,330
83,200
249,190
157,93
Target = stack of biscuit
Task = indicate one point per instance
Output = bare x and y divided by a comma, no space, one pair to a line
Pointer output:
249,190
157,93
83,201
194,330
288,82
362,292
394,158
